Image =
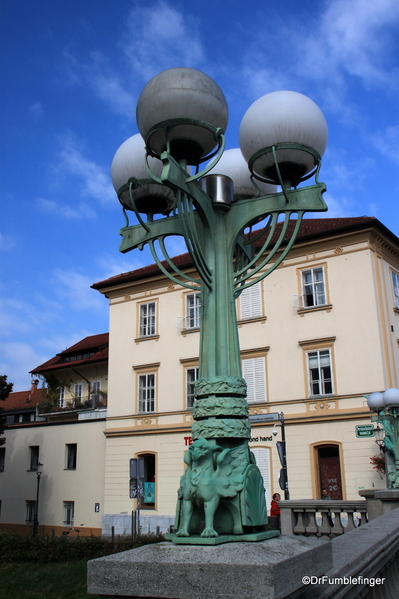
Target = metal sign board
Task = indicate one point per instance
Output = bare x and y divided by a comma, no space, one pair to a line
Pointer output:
272,417
136,467
365,430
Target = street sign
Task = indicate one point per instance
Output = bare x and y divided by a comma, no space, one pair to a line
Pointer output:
365,430
272,417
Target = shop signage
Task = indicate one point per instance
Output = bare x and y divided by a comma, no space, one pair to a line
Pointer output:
272,417
365,430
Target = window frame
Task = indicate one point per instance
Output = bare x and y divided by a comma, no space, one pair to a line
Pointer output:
61,398
71,452
143,325
146,455
78,396
144,390
30,512
313,284
190,385
69,507
193,320
395,289
322,381
34,459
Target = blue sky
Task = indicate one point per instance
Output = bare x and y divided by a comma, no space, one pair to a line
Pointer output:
71,75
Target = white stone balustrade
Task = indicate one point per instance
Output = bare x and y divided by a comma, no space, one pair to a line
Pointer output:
321,518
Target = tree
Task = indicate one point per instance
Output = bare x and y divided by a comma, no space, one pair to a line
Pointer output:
5,390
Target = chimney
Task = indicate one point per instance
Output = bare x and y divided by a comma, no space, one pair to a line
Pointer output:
34,383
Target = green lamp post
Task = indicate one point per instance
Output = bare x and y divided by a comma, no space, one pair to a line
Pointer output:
386,415
237,229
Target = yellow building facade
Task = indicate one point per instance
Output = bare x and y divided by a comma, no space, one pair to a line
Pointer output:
316,336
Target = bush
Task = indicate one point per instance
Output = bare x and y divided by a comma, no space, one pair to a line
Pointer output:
18,548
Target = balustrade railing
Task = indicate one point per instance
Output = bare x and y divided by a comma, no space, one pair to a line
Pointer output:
321,518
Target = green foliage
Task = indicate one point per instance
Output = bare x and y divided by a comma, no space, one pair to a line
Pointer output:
43,549
5,390
49,581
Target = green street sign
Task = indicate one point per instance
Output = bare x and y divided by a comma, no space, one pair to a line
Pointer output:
365,430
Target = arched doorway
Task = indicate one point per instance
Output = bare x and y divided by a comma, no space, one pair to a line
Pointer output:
329,470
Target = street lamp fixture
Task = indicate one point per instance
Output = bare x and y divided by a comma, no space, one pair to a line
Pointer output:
39,470
237,229
385,406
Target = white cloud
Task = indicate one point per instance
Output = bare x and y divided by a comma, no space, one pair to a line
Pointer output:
64,211
74,288
17,359
36,110
354,38
160,37
95,181
6,242
387,142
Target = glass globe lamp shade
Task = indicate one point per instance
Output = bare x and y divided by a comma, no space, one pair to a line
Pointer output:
391,397
174,98
128,163
233,165
283,117
375,401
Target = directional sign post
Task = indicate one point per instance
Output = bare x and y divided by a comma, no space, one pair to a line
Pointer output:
365,430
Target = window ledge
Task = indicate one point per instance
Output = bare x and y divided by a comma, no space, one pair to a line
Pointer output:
149,338
396,311
261,319
327,307
185,332
69,468
325,396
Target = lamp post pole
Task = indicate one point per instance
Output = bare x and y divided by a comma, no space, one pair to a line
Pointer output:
386,414
181,115
38,477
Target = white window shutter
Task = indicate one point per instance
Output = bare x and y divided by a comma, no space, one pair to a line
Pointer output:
262,457
250,302
254,374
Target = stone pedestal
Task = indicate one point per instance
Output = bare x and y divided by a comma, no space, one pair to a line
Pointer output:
270,569
380,501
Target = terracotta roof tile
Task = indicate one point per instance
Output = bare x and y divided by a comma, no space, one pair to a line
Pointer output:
95,344
22,400
309,227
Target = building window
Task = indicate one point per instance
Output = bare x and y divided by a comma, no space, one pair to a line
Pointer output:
33,457
191,377
313,287
147,319
147,392
71,452
395,282
251,302
78,392
69,512
30,512
149,488
262,457
2,458
95,393
193,311
61,398
319,368
254,375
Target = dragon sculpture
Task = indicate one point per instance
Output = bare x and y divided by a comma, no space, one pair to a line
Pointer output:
216,475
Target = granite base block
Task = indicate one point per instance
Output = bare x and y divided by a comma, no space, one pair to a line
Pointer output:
271,569
220,539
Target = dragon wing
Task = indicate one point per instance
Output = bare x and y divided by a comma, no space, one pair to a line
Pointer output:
230,467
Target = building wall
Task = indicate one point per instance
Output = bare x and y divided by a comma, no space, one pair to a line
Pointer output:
83,485
355,324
